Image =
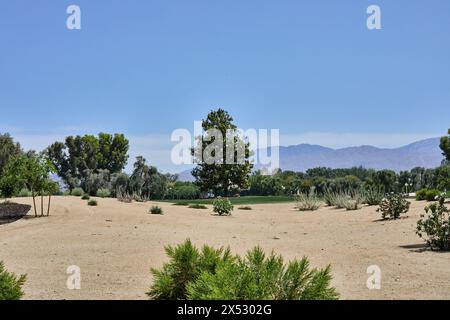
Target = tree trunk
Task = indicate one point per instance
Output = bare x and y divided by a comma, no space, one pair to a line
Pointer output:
42,204
34,202
48,207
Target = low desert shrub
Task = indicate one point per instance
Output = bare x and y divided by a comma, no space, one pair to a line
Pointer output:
393,205
123,196
10,284
156,210
212,274
353,204
308,201
245,208
85,197
222,206
77,192
198,206
421,194
103,193
92,203
373,196
435,227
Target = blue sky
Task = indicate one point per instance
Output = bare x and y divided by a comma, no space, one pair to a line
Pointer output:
309,68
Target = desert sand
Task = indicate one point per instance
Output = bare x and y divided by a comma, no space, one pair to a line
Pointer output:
115,244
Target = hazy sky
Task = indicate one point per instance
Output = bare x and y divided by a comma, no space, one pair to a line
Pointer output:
309,68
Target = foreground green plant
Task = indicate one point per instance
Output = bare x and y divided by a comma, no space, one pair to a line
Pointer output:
427,194
212,274
373,196
10,284
435,227
85,197
222,206
393,205
92,203
103,193
308,201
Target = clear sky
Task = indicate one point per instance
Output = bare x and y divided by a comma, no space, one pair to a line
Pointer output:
309,68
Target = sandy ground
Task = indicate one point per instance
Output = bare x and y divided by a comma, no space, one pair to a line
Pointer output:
115,244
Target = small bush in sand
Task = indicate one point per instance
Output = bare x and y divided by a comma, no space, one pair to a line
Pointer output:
156,210
10,284
222,206
245,208
373,196
427,194
92,203
211,274
354,203
435,227
77,192
198,206
308,201
85,197
103,193
393,205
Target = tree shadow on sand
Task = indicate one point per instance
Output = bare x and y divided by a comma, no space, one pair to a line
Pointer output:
421,247
11,212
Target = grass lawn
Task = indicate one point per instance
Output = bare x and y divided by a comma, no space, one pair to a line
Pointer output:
241,200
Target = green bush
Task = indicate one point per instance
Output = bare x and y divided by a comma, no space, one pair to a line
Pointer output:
393,205
185,265
245,208
373,196
435,228
198,206
77,192
10,284
103,193
92,203
308,201
212,274
421,194
427,194
156,210
222,206
24,193
85,197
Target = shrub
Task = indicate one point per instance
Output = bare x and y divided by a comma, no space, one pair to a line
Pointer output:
92,203
156,210
24,193
427,194
432,195
85,197
245,208
435,228
421,194
185,265
77,192
393,205
103,193
353,204
212,274
307,201
373,196
124,196
198,206
10,284
222,206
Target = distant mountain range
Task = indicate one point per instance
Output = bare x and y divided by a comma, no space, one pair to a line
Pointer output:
424,153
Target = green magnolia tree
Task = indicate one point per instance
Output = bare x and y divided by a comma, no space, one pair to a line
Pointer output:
80,155
445,146
222,156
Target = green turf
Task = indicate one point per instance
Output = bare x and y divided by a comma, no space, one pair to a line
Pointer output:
241,200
